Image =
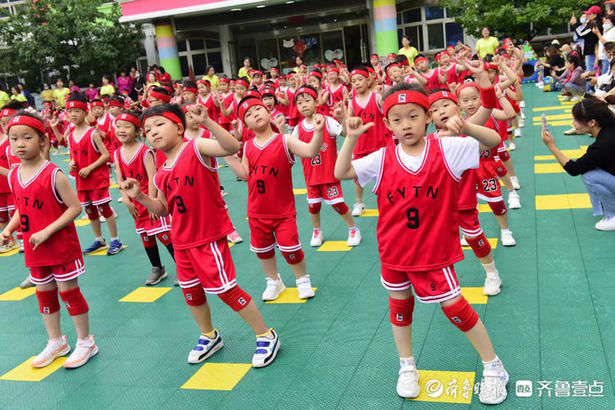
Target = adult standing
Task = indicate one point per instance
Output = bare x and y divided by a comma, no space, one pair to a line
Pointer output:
407,50
72,87
106,89
60,93
608,34
210,75
584,31
124,83
29,97
487,44
17,96
4,96
47,93
247,67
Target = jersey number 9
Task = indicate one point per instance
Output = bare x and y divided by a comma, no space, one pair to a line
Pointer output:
412,215
25,223
260,186
179,204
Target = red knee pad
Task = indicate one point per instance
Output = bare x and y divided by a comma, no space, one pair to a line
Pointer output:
314,208
504,155
164,238
105,210
92,212
266,255
498,208
74,301
195,296
293,258
48,302
480,245
236,298
148,241
501,170
461,314
401,311
341,208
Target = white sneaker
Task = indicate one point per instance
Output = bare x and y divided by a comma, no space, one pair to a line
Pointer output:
521,122
267,348
408,381
575,98
274,288
205,347
508,239
463,241
566,98
316,238
358,208
304,287
27,283
512,146
514,202
540,85
354,237
52,351
493,386
606,224
82,353
515,182
492,284
234,237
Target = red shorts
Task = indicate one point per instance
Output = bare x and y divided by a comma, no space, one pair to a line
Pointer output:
6,201
145,225
467,190
432,286
94,196
40,275
488,184
210,266
265,234
331,193
469,222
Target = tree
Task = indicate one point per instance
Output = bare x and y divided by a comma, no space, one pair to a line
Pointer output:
67,37
513,18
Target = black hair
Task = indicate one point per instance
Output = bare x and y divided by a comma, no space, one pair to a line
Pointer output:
117,98
209,67
407,38
188,83
14,105
24,113
161,69
400,58
361,67
592,108
403,87
96,100
609,46
136,114
160,109
574,60
77,96
308,87
246,79
105,76
161,90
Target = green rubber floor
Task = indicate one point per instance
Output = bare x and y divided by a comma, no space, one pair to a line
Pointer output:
551,325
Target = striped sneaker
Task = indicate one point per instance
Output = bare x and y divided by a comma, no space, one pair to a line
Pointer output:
205,347
52,351
82,353
266,349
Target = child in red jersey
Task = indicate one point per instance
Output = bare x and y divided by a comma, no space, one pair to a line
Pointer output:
417,183
225,98
366,105
287,99
88,160
208,100
199,229
271,102
228,105
266,165
136,160
318,171
46,206
314,80
158,96
336,90
190,92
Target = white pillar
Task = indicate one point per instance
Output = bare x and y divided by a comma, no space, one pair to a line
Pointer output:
227,59
373,46
149,42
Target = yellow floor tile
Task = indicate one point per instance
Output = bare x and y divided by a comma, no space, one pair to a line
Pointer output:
113,186
446,387
217,376
289,295
549,168
82,222
570,153
103,252
553,117
369,212
474,295
482,208
145,294
10,253
552,108
231,244
26,373
561,123
565,201
17,294
300,191
492,241
334,246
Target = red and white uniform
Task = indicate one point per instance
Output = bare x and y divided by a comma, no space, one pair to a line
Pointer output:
417,201
491,167
378,135
6,198
271,202
38,204
93,190
336,94
319,171
135,168
200,221
293,115
226,120
212,110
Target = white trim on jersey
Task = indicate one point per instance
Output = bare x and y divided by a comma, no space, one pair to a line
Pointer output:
289,248
446,164
220,263
490,199
33,177
290,157
189,284
471,233
200,157
262,250
382,154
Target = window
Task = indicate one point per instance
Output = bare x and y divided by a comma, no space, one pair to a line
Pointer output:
412,16
415,34
215,59
434,13
181,45
435,34
454,33
183,62
199,63
196,53
428,28
197,44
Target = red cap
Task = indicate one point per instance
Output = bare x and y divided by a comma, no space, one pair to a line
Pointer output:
594,10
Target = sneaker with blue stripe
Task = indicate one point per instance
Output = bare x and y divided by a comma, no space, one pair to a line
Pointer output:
115,247
96,245
266,349
205,347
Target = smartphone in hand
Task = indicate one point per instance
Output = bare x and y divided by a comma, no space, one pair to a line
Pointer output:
543,117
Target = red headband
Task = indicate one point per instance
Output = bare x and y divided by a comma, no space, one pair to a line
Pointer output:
388,68
225,80
191,90
359,71
166,114
418,60
252,94
334,69
268,91
440,54
246,105
316,74
133,119
466,85
491,66
306,90
97,104
28,121
242,82
257,72
76,104
442,95
392,55
115,103
206,82
160,96
274,70
405,97
7,112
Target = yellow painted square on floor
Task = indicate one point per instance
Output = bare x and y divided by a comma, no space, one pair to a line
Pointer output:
217,376
559,123
113,186
482,208
300,191
26,373
145,294
289,295
10,253
369,213
565,201
548,168
16,294
446,387
103,251
570,153
551,108
553,117
474,295
334,246
231,244
82,222
492,241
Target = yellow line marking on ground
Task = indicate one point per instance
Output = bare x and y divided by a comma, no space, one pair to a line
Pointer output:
334,246
217,376
144,294
550,168
570,153
16,294
565,201
289,295
474,295
26,373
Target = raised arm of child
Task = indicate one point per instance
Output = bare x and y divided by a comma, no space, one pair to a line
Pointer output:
487,137
102,160
308,150
343,165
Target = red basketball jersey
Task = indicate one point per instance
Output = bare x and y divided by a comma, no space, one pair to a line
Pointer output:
228,102
377,136
4,163
270,181
39,205
135,168
492,154
84,153
12,159
212,110
191,188
320,169
418,223
293,112
335,94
